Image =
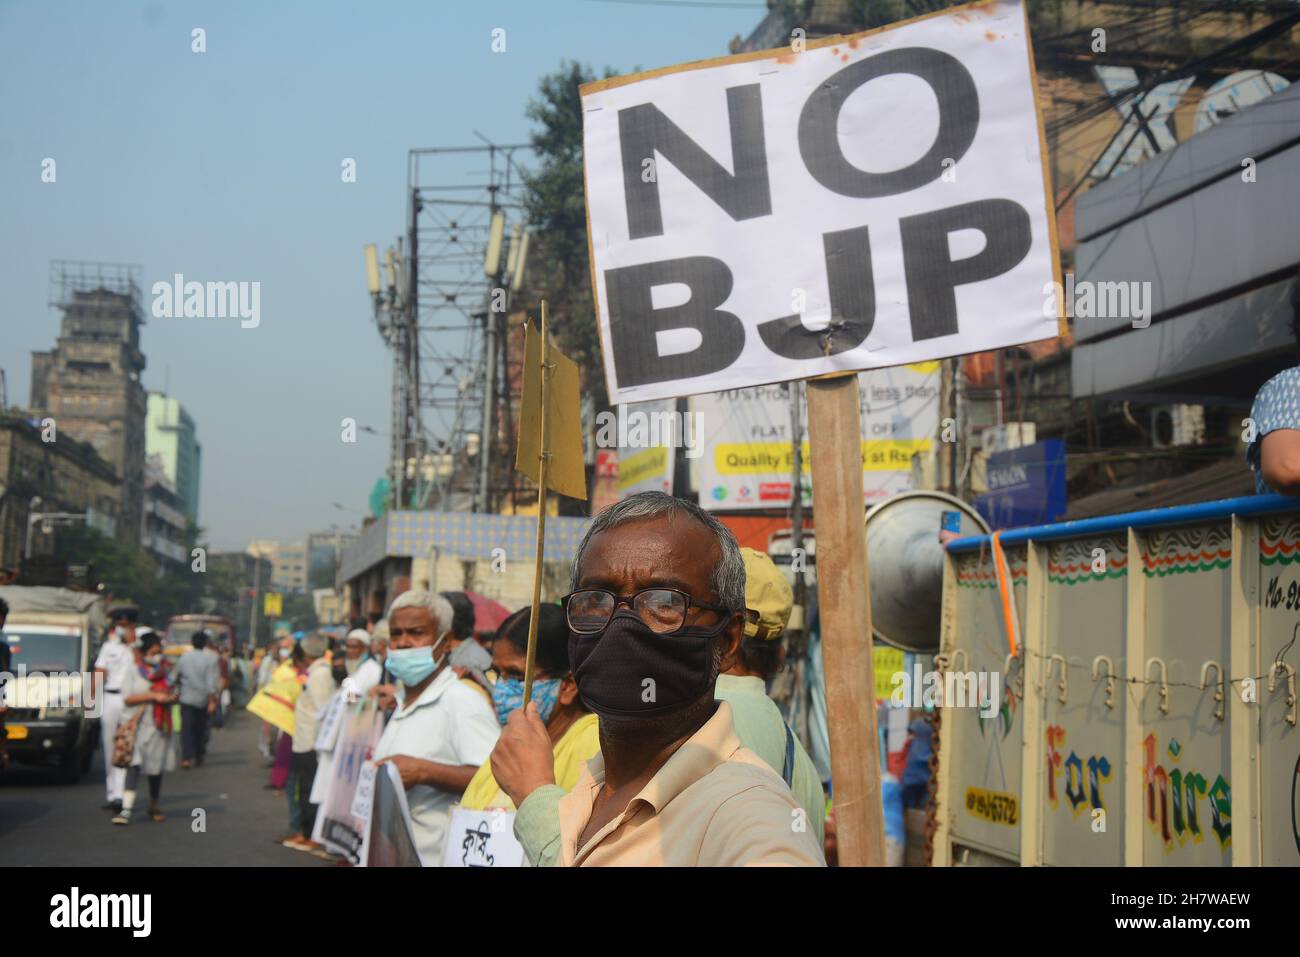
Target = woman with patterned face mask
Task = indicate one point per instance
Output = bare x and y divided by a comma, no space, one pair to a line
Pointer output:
571,727
148,690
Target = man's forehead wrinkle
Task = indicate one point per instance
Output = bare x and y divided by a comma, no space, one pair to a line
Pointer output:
643,552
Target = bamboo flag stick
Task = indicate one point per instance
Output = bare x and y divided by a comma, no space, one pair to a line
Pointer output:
544,455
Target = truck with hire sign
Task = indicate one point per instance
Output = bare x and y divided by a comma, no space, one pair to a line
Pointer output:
1148,696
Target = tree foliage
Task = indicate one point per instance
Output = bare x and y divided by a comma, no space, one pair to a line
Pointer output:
559,268
129,573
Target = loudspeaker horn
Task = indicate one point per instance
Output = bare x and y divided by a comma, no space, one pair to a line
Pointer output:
906,558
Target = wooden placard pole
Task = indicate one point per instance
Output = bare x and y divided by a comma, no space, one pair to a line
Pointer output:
844,607
544,455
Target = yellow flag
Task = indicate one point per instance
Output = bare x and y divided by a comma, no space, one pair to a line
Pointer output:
564,472
272,604
275,703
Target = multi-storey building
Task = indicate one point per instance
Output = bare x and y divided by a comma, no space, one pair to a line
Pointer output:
49,477
171,435
89,383
288,564
164,526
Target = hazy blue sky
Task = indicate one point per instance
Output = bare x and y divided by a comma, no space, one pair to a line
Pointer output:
226,166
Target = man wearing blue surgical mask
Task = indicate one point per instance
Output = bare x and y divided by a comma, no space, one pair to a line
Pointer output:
441,730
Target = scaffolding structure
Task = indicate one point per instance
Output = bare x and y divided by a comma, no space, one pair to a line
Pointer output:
73,282
445,323
90,381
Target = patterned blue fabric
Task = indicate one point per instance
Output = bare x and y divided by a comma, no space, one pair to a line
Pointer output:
1277,406
508,696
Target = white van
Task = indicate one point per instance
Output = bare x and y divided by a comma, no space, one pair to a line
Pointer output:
52,716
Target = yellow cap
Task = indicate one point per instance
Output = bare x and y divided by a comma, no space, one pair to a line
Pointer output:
768,596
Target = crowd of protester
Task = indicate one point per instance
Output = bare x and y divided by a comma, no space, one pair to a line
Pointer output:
649,738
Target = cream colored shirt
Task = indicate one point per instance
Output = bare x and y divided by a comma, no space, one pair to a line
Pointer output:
712,804
311,705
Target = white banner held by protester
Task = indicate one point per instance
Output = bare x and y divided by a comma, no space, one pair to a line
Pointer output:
337,827
482,839
867,202
331,719
363,798
327,735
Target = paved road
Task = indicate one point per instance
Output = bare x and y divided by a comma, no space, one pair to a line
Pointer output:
48,824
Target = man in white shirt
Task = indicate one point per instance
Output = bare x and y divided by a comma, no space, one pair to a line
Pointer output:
307,712
114,661
371,670
442,730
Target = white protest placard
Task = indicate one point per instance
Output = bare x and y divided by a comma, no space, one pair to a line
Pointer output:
337,826
327,735
482,839
868,202
331,719
363,798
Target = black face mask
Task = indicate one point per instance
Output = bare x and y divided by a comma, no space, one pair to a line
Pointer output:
615,668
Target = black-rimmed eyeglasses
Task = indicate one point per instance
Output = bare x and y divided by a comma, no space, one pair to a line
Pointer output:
662,609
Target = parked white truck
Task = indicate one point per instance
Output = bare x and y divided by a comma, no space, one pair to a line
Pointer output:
52,710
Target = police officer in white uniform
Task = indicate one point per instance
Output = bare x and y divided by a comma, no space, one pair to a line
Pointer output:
114,662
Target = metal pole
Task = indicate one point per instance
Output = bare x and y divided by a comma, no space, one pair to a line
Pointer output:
954,374
796,504
252,615
797,640
410,347
487,439
488,435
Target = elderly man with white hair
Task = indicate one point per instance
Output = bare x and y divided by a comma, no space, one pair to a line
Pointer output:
370,670
441,730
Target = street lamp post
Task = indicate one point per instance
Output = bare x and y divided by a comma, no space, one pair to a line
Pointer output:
252,612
